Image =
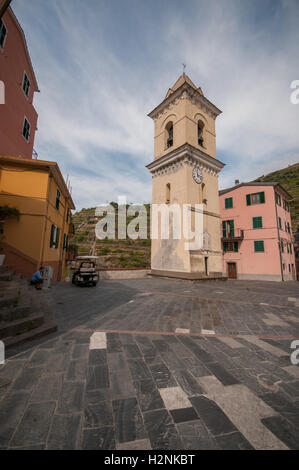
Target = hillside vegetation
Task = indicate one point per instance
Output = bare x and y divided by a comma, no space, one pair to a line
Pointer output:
136,253
289,179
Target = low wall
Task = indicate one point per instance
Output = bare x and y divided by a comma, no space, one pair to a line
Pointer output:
123,274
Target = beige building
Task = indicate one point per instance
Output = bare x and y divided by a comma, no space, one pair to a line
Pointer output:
185,171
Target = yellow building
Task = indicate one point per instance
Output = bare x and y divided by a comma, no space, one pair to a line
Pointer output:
185,171
40,236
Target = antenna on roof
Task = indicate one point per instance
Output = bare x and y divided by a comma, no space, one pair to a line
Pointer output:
184,67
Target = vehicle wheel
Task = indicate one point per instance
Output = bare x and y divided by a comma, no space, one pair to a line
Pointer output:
76,281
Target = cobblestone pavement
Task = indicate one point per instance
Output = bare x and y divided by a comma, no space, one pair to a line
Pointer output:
158,364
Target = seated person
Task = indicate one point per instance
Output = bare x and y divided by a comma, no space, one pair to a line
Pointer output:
37,278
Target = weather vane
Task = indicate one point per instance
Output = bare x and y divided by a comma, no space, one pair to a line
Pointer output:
184,67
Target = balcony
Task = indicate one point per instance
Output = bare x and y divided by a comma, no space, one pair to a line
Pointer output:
234,235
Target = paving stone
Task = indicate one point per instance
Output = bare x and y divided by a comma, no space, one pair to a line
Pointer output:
113,343
214,418
141,444
48,388
99,439
121,384
77,370
80,351
97,377
195,436
95,396
58,362
98,340
223,375
231,342
12,407
11,369
97,357
148,395
161,430
138,368
284,430
39,357
64,432
184,414
128,420
132,351
71,398
234,441
174,398
162,376
27,379
190,386
35,424
116,361
98,415
292,370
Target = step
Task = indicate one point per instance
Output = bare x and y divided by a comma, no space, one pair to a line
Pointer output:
21,326
6,276
47,328
9,300
9,314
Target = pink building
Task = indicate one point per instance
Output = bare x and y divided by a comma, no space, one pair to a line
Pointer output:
18,118
256,232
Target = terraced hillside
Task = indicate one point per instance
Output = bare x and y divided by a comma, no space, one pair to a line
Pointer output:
289,179
113,253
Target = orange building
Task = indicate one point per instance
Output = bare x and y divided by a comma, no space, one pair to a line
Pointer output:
18,118
40,235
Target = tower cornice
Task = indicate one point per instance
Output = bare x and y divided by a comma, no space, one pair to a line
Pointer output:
185,91
185,155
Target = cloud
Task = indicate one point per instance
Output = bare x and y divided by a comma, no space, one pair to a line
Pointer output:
102,66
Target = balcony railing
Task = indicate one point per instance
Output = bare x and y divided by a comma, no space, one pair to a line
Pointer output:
233,235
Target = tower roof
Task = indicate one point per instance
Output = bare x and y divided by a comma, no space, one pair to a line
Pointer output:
180,81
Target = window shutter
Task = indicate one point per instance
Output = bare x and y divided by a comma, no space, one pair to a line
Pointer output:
236,247
52,236
57,238
224,247
224,229
231,226
248,200
259,246
262,197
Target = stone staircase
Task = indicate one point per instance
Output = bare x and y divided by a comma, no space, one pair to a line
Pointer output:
24,312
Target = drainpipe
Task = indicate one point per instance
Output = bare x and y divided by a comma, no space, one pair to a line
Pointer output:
279,245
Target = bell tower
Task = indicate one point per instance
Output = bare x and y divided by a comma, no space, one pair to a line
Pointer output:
185,171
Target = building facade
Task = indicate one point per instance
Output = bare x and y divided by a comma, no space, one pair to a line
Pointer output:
257,240
40,235
185,171
18,118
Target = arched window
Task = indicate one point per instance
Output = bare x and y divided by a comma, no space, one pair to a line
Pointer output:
200,127
169,134
168,193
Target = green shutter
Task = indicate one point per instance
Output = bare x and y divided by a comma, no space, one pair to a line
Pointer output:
259,246
224,247
229,203
224,229
52,235
257,222
248,199
57,238
262,197
236,247
231,226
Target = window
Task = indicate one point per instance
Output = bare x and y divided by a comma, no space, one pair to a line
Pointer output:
26,129
286,205
282,246
228,230
256,198
279,223
277,198
3,32
291,248
169,135
288,227
54,238
26,84
257,222
57,199
230,246
200,127
259,246
168,193
68,216
228,203
65,242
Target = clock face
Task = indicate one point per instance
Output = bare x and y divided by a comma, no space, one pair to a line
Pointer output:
197,175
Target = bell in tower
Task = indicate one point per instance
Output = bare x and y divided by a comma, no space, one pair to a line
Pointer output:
185,178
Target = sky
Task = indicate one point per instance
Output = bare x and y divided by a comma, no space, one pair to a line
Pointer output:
103,65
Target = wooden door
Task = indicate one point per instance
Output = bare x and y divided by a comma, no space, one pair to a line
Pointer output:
232,270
